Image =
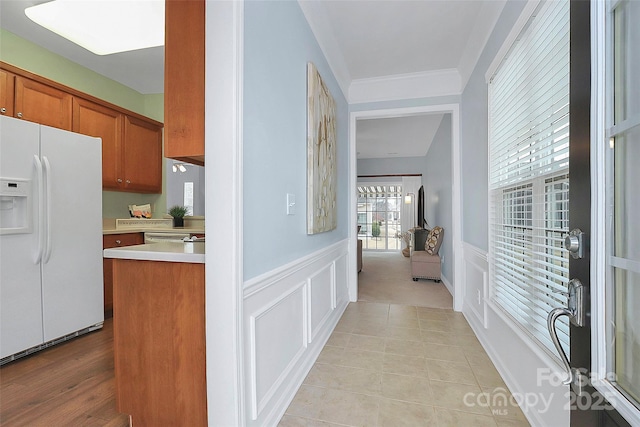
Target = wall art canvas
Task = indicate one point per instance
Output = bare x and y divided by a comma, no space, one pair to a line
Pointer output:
321,155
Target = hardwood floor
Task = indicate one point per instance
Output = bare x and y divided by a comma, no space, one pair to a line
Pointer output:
71,384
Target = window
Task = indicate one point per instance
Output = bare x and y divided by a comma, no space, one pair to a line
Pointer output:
379,216
528,174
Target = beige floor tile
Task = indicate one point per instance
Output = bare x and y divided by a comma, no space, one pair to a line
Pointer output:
443,352
293,421
405,365
350,409
476,356
435,325
487,375
459,397
372,329
307,402
404,347
369,308
450,418
344,378
339,339
454,372
404,322
346,325
502,405
434,337
400,309
366,342
410,334
431,314
407,388
510,422
370,360
395,413
330,355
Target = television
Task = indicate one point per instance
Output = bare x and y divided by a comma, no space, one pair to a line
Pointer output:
421,221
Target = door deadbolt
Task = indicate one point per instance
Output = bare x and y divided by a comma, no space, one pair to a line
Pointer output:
574,243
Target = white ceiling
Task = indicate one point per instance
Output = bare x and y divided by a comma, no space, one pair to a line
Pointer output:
408,136
364,41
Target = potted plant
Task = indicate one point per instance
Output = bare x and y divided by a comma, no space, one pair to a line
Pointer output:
178,212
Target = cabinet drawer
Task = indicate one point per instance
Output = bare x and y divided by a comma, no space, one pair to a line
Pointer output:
124,239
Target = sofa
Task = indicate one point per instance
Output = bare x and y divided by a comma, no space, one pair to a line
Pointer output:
425,261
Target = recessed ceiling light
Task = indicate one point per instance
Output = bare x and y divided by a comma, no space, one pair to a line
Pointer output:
104,26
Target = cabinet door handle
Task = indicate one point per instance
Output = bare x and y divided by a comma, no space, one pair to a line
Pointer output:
3,110
118,242
128,182
119,180
20,115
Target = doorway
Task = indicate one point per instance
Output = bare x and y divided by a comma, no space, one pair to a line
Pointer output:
454,170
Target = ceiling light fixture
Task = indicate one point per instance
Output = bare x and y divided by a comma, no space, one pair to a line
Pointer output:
104,26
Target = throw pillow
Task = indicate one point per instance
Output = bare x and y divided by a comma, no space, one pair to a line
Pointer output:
434,240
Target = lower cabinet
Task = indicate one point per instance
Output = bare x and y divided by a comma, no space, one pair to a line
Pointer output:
115,241
159,342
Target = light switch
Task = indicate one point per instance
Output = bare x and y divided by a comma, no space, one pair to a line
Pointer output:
291,204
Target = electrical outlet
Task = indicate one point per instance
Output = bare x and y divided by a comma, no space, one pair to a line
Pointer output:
442,258
291,204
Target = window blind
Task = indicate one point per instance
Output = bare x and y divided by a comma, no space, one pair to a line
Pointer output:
528,174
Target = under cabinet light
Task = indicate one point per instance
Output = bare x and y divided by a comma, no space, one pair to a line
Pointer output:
104,26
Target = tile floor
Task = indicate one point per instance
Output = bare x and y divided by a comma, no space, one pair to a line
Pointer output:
401,365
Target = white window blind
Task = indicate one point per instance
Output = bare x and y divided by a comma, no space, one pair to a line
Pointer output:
528,174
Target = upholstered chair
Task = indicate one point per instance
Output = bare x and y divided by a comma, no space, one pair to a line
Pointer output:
425,264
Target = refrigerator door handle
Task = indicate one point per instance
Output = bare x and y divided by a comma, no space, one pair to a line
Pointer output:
38,165
47,208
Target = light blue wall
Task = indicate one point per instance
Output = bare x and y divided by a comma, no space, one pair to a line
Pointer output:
438,190
278,44
474,135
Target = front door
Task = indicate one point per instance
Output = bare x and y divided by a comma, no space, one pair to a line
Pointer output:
604,203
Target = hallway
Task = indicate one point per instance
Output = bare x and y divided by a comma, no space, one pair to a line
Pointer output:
389,364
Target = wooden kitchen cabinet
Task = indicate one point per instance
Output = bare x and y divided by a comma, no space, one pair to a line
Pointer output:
142,156
184,85
159,342
131,143
7,95
96,120
40,103
115,241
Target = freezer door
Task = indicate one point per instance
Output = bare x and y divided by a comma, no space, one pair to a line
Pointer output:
20,297
72,280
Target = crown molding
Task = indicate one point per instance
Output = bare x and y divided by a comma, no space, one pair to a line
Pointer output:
482,30
405,86
320,24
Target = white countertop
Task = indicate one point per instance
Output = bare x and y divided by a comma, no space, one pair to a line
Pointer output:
162,251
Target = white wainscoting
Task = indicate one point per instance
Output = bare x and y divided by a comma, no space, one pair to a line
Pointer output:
476,280
522,365
289,314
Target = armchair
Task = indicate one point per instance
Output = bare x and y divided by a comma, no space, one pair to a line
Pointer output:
425,264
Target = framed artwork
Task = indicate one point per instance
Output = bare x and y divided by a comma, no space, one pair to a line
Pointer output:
321,155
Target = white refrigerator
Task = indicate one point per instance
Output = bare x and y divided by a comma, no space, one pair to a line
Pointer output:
50,235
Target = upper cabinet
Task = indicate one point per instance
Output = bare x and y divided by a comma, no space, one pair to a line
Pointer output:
40,103
142,156
131,143
7,84
184,80
93,119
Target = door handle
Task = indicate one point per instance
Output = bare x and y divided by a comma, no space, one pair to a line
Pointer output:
575,311
551,326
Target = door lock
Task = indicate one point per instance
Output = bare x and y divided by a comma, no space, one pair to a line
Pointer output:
574,243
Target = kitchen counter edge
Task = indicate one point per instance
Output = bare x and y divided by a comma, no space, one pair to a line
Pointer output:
163,251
